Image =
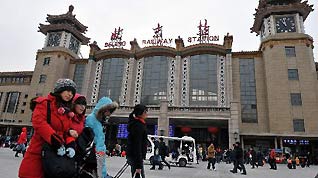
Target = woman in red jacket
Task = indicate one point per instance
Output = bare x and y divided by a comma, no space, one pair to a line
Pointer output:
56,133
79,109
21,142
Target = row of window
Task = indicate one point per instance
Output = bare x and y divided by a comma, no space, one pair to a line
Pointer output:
202,76
12,80
12,101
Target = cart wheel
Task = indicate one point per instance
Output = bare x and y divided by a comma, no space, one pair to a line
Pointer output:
182,162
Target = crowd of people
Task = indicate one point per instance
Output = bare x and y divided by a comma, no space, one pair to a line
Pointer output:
59,121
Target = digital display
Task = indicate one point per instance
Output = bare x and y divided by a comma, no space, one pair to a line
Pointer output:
303,142
290,141
171,130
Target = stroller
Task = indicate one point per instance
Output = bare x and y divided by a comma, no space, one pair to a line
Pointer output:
85,156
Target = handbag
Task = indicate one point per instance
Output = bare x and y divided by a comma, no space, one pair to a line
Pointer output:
54,165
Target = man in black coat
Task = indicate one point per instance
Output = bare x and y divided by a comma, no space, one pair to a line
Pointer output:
137,140
239,159
253,158
163,151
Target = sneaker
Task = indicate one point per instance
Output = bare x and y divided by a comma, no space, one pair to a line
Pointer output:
244,173
152,168
233,171
214,169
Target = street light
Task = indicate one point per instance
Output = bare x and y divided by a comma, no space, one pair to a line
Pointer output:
235,136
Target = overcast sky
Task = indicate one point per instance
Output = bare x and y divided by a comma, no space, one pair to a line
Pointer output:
20,20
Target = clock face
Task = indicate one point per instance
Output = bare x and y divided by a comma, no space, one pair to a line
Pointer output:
54,39
74,45
285,24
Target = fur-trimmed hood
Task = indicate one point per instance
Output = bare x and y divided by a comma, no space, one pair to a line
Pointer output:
102,105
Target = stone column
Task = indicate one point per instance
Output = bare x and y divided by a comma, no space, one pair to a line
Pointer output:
275,142
163,120
234,124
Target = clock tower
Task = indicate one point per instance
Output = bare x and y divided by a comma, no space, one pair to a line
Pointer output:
280,17
64,37
64,31
289,67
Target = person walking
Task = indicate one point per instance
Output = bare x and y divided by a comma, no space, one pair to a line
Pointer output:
272,159
97,122
163,151
253,158
156,155
211,157
239,159
137,140
56,133
22,140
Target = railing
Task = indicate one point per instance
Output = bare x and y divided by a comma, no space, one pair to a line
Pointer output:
173,108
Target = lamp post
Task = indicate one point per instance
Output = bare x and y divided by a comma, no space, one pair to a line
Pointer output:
235,136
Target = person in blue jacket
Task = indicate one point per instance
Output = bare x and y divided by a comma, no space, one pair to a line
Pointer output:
97,121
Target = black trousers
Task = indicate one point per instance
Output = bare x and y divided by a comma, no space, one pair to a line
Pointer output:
133,169
211,161
239,163
163,158
272,163
253,163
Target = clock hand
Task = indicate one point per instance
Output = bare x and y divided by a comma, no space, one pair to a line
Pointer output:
284,22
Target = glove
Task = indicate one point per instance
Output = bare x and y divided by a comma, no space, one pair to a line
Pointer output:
100,154
61,151
70,152
56,141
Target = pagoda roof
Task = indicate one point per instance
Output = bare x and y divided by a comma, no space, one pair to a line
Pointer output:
67,27
269,7
67,18
66,22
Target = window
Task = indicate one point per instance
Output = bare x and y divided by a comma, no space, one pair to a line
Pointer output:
296,99
203,80
12,101
79,76
22,111
42,78
248,91
24,103
299,125
46,61
293,74
112,76
290,51
154,80
26,96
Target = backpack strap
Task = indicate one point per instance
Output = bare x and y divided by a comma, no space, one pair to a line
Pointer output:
48,112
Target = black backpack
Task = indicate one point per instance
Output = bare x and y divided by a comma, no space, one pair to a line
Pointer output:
54,165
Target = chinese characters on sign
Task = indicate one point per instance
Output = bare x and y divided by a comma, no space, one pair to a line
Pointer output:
203,35
116,39
158,40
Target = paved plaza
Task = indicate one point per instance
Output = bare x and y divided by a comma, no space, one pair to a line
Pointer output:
9,166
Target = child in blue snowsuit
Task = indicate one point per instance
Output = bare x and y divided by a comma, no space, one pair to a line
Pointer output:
97,120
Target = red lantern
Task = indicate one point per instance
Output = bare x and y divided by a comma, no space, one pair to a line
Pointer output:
213,130
186,129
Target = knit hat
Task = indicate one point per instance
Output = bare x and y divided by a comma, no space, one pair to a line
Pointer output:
65,85
80,100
